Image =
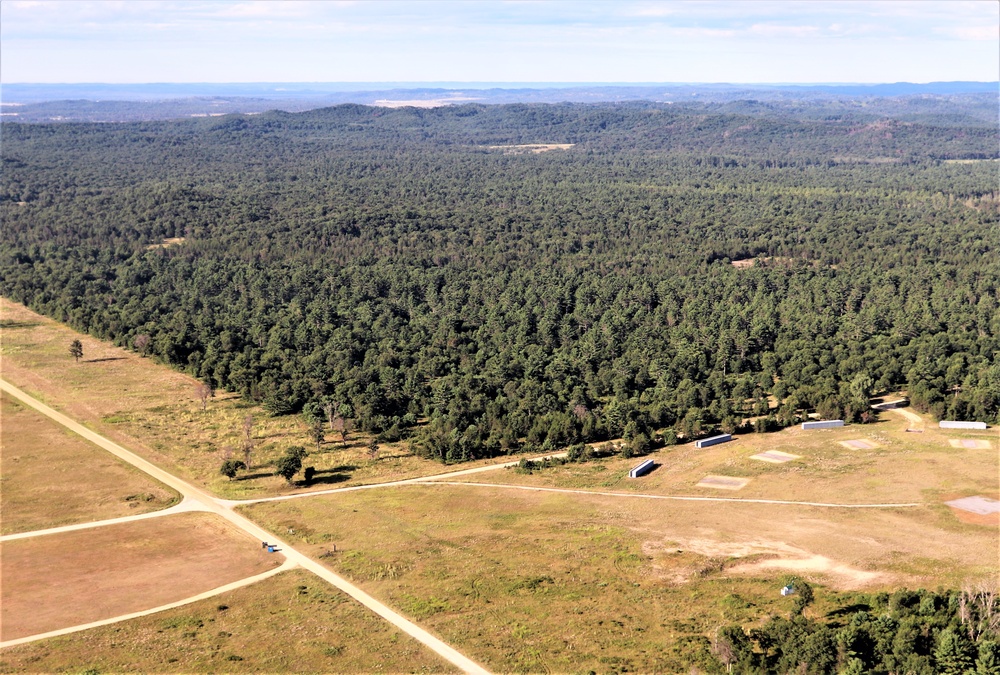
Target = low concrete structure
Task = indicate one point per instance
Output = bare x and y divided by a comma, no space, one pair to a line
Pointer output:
824,424
641,469
951,424
714,440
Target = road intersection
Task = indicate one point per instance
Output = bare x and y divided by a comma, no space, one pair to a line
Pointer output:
194,498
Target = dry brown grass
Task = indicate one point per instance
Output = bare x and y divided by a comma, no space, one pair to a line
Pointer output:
51,477
536,582
903,468
153,410
290,623
61,580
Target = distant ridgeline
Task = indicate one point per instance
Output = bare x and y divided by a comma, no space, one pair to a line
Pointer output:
413,264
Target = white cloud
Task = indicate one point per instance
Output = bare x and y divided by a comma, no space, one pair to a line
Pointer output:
596,40
775,30
703,32
975,33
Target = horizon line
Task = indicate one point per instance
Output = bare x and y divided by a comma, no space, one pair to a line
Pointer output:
468,83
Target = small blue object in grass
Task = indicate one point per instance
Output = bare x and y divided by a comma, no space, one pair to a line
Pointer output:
787,590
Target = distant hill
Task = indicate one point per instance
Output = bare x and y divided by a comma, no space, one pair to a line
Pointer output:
136,102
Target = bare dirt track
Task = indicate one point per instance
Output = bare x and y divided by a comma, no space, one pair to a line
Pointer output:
187,490
87,575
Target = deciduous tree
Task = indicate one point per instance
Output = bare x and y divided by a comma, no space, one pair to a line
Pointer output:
231,467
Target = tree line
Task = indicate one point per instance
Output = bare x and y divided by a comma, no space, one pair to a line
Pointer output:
392,266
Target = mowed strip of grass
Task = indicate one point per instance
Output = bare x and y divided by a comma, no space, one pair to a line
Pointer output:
289,623
532,582
52,477
153,410
901,467
61,580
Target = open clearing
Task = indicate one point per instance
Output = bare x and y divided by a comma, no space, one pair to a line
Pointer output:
899,467
153,410
970,443
858,444
775,457
292,622
51,477
525,580
911,416
534,148
167,243
723,482
63,580
529,581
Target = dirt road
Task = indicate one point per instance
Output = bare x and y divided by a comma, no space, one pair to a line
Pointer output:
287,565
224,509
185,506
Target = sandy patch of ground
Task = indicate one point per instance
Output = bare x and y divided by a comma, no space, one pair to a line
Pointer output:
775,457
858,444
909,415
970,443
61,580
167,243
723,482
989,519
842,576
534,148
767,555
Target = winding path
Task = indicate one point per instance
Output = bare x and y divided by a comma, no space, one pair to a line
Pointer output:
224,509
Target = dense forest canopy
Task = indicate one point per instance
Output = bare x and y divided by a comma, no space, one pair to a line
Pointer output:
433,281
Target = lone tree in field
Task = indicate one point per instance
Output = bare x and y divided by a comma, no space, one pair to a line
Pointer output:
247,439
289,464
316,432
373,449
204,392
314,416
231,467
76,349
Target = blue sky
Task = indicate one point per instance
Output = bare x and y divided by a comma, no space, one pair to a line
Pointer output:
511,41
